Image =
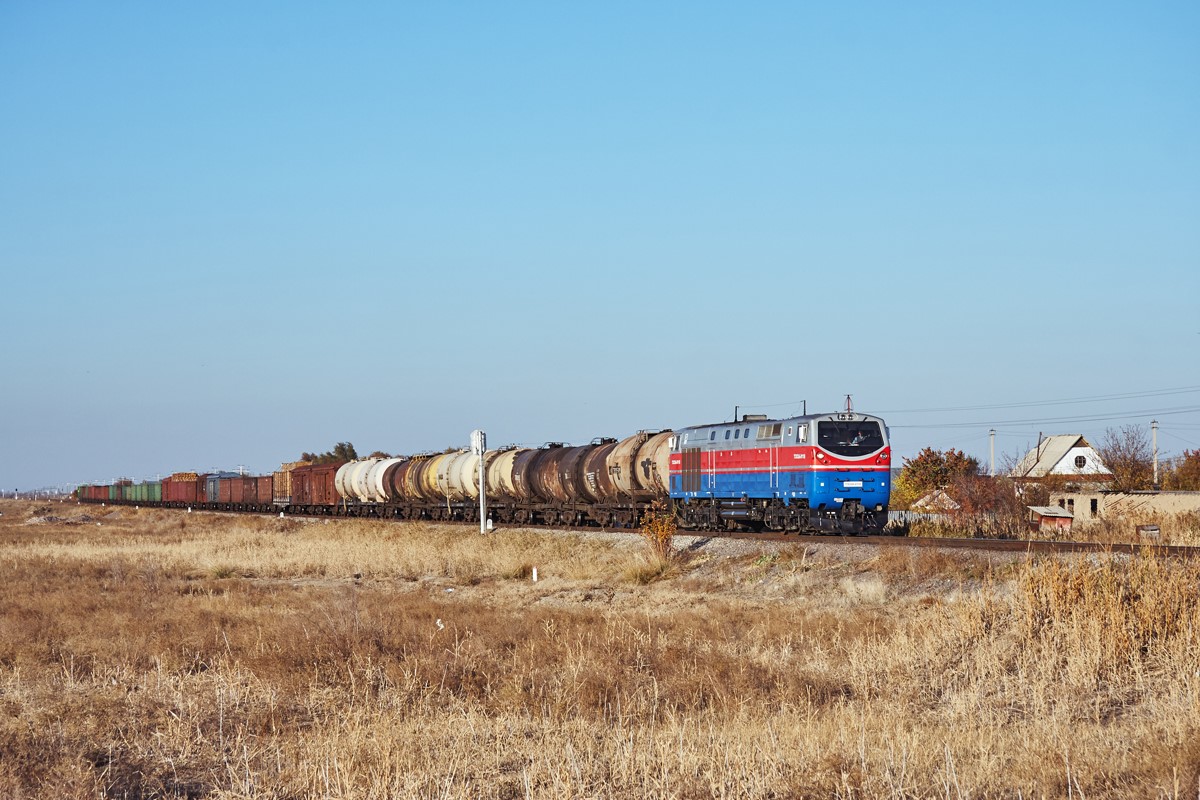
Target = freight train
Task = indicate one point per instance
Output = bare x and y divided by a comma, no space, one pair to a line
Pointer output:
819,472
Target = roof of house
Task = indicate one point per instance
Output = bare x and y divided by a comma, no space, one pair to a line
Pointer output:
937,500
1051,511
1041,460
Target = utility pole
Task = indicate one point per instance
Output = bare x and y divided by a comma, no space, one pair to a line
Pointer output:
1154,438
992,452
479,447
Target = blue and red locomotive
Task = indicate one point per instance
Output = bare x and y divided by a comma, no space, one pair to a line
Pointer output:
822,471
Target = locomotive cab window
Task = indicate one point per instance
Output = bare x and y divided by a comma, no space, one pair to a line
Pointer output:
849,438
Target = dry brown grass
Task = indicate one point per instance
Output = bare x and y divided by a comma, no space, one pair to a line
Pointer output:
162,655
1176,529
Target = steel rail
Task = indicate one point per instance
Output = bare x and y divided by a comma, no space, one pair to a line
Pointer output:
994,545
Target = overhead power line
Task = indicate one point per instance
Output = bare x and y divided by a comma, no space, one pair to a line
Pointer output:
1042,403
1053,420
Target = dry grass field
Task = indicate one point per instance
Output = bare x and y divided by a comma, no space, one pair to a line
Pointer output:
161,654
1174,529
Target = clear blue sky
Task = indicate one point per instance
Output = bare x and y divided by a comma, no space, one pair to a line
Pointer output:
231,232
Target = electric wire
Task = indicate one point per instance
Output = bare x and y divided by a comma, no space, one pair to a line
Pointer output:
1051,420
1043,403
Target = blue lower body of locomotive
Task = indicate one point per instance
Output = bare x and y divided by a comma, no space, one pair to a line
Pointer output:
827,489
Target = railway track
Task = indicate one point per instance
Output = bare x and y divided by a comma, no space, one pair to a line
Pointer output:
993,545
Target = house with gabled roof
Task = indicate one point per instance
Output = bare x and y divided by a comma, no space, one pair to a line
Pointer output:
1062,459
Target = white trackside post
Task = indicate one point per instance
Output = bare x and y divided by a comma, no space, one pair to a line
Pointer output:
479,447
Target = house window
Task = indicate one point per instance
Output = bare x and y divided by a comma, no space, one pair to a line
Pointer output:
1095,507
1071,506
1080,461
1062,503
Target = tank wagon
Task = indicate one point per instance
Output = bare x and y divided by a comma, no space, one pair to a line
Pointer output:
826,472
607,482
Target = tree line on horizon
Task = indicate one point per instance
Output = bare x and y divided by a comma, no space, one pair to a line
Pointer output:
341,452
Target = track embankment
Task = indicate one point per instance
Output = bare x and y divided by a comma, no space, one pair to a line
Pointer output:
993,545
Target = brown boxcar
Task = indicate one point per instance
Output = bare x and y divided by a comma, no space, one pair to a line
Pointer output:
313,485
266,493
93,492
282,486
181,488
242,489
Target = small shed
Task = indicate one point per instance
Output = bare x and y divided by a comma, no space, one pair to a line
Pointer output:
1050,518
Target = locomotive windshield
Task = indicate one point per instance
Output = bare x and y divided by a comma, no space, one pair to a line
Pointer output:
849,438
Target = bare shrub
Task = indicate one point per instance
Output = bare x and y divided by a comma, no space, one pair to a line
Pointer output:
658,531
1126,453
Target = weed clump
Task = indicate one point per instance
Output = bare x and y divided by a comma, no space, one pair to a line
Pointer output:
658,531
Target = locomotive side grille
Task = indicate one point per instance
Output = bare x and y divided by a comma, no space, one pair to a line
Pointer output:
691,469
